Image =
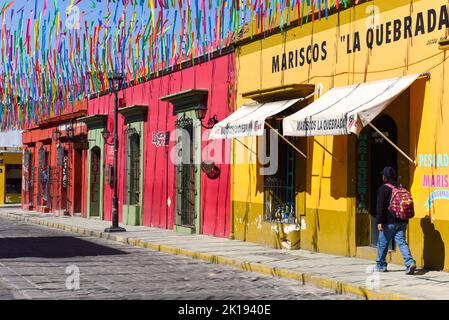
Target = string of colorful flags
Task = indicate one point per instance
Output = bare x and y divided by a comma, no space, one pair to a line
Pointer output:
54,54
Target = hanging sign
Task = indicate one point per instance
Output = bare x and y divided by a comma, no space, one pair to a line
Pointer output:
65,174
160,139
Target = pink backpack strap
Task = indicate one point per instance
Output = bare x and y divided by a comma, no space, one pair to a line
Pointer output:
393,187
389,185
393,193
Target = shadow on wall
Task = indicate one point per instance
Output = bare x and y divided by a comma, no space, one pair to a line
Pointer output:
417,95
433,251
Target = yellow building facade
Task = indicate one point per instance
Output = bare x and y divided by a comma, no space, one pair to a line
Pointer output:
335,186
10,176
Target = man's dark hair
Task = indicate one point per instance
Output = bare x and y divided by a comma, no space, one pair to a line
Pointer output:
389,173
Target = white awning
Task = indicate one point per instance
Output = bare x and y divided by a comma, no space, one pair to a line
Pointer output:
346,110
249,120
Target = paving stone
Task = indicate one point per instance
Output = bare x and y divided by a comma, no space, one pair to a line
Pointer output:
126,273
346,270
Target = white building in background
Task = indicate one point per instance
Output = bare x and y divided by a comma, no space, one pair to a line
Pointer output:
11,139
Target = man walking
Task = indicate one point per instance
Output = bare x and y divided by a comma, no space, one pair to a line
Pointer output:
390,226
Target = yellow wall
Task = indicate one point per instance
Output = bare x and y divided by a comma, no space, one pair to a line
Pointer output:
8,158
330,218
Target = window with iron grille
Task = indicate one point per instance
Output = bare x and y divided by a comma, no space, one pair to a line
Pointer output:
133,168
43,177
185,178
279,188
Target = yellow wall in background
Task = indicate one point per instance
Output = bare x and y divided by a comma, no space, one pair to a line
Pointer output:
329,221
8,158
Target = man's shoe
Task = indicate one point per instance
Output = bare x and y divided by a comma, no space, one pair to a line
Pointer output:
411,269
380,269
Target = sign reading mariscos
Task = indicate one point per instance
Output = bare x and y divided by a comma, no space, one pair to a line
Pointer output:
420,23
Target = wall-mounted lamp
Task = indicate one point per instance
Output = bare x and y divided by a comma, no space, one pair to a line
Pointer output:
56,135
201,114
106,135
70,131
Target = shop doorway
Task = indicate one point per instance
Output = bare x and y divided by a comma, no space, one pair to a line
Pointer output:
43,196
382,154
31,184
78,181
13,183
373,154
95,165
29,177
132,204
133,169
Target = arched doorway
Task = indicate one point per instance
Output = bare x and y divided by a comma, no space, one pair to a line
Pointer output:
374,153
95,180
382,154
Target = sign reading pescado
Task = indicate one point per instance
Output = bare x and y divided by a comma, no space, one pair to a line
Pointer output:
391,31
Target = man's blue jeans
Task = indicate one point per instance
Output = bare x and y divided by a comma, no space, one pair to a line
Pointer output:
396,230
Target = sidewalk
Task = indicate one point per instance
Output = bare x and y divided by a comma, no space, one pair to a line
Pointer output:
340,274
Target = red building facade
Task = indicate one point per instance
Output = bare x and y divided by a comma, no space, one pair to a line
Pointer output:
160,122
54,171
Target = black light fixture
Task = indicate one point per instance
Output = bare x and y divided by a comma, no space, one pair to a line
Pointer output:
201,114
70,131
116,82
115,85
56,135
106,135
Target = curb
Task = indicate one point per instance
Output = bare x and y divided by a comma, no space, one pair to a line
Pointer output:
336,286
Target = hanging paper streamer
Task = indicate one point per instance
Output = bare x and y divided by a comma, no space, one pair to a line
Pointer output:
56,53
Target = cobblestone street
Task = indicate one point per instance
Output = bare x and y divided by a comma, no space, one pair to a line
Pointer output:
34,262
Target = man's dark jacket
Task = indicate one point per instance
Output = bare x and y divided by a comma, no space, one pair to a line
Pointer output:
383,215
